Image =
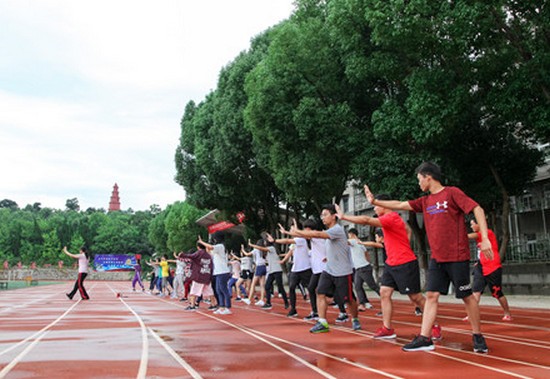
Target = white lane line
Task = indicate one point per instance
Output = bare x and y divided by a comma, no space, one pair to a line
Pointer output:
142,371
486,356
175,355
38,336
252,332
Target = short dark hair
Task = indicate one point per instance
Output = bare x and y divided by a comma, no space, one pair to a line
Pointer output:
311,224
218,237
353,231
329,207
382,196
431,169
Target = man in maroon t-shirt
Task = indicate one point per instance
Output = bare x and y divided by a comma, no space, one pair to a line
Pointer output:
444,210
401,271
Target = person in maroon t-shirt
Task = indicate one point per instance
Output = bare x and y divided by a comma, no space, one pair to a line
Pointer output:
444,211
488,272
201,275
401,271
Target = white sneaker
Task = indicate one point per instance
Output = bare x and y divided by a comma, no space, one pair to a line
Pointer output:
218,311
246,301
260,303
368,306
226,311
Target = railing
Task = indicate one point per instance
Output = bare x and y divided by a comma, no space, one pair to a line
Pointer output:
528,251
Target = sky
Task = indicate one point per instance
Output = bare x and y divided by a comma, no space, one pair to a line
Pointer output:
92,92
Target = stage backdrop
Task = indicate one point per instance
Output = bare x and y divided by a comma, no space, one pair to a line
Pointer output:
114,262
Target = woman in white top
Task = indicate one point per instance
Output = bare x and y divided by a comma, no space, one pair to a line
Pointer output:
221,272
259,273
82,273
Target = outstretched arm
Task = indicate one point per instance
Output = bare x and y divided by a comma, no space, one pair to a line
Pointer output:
295,232
363,219
371,244
390,204
258,247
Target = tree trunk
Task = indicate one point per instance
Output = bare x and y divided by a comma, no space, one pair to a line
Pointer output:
505,213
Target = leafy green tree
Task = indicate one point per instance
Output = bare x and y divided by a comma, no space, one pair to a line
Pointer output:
181,227
72,204
10,204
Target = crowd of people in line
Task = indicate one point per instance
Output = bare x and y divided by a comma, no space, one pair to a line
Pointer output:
331,266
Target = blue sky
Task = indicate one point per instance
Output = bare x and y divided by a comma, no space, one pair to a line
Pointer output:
92,93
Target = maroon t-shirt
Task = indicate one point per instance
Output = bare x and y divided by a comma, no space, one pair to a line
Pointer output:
201,266
445,225
398,247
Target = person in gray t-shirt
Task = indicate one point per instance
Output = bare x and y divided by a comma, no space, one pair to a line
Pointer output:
337,279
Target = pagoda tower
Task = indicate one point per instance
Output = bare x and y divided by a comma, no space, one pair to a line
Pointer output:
114,204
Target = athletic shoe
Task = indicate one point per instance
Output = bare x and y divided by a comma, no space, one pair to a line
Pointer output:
436,332
226,311
368,306
479,344
266,306
384,333
342,317
183,299
238,299
218,311
133,289
379,314
319,328
361,308
191,308
212,308
292,313
417,311
69,296
312,316
259,303
507,318
355,324
246,301
419,343
465,319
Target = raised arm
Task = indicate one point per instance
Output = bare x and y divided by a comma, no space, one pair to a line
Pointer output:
207,246
390,204
244,252
371,244
287,256
69,254
280,241
295,232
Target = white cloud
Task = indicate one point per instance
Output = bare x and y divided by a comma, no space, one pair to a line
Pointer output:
92,93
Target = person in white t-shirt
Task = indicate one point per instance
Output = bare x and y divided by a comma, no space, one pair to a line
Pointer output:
363,269
82,273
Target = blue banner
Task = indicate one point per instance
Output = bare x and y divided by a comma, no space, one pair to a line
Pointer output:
114,262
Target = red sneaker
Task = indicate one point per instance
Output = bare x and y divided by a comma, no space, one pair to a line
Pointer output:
436,332
384,333
507,318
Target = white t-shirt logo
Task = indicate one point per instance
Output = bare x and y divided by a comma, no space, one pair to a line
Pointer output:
443,205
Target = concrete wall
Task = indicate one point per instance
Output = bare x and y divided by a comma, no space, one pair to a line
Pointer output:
47,274
526,279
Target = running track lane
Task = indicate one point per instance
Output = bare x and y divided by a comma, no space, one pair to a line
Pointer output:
104,338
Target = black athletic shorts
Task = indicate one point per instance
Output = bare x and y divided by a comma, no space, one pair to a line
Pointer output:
405,278
441,275
493,280
246,274
338,287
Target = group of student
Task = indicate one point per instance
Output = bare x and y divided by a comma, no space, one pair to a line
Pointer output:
330,263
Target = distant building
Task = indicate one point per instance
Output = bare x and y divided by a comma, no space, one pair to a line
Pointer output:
114,204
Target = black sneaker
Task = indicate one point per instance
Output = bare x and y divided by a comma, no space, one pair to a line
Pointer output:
292,313
418,311
212,307
266,306
191,308
342,317
419,343
479,344
69,296
311,316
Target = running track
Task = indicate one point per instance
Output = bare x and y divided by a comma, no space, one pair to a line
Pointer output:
137,335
